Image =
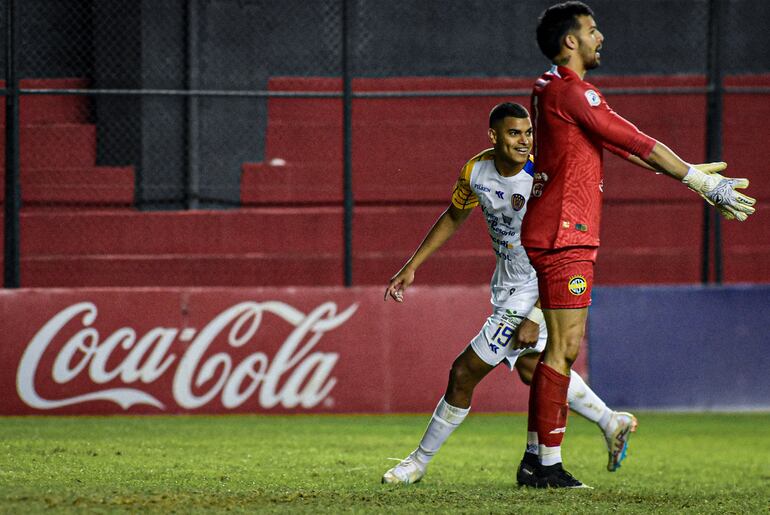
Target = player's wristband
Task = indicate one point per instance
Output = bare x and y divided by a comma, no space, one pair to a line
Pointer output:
536,315
695,179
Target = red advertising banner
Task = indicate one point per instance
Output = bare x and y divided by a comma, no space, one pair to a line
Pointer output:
250,350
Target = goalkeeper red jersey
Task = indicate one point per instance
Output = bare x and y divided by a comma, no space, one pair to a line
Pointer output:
573,124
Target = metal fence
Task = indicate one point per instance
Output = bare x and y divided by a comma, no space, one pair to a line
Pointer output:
116,109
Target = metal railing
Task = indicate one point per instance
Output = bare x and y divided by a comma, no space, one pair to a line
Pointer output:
713,90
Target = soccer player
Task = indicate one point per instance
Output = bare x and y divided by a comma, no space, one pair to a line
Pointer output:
499,180
560,233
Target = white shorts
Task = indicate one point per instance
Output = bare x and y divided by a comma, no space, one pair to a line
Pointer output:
492,344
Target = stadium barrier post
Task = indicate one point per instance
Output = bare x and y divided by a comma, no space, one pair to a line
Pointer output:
12,186
347,143
192,170
714,120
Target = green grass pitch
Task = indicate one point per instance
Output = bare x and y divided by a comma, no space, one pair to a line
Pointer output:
677,463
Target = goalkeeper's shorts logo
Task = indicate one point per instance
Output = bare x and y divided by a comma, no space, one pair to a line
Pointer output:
577,285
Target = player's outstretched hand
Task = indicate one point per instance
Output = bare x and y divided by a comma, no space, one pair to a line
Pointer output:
398,285
721,192
731,204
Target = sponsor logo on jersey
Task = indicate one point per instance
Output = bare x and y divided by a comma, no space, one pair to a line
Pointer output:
502,255
577,285
593,98
518,201
507,220
512,318
502,243
481,187
499,194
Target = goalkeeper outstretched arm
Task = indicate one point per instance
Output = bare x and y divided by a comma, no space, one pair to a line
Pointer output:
704,179
447,224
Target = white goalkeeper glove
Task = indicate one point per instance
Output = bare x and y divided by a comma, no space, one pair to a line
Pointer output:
720,191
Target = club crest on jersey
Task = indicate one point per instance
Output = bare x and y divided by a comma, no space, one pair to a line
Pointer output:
593,98
539,184
517,201
577,285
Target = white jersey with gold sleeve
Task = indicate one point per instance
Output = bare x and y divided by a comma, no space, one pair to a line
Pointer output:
503,201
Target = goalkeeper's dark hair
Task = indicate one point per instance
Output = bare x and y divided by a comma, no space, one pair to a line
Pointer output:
556,22
505,110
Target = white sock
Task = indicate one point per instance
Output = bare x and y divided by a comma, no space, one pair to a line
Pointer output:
446,418
584,401
532,447
549,455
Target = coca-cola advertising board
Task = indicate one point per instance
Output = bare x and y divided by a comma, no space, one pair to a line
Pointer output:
261,350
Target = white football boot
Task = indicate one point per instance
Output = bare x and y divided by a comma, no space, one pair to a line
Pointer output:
618,432
409,470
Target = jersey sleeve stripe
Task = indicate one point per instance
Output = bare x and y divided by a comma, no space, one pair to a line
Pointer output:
463,196
529,166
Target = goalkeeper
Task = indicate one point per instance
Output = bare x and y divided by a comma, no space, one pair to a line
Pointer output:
573,124
500,181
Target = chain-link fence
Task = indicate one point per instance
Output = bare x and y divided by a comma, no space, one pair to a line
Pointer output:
212,142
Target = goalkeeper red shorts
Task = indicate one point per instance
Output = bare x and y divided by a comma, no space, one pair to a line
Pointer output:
565,276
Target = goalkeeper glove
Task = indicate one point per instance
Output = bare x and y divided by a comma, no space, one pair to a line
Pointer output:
720,191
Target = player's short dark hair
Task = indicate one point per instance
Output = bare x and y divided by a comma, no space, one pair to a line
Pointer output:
556,22
505,110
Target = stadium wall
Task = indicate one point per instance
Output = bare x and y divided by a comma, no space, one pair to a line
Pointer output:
336,350
146,44
270,350
693,347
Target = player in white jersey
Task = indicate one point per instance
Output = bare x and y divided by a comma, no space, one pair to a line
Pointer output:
499,180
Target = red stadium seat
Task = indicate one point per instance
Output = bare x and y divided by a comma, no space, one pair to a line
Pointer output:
406,155
58,152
